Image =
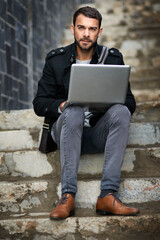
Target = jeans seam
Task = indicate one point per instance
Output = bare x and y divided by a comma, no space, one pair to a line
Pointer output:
65,155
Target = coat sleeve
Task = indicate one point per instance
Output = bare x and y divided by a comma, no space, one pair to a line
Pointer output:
47,101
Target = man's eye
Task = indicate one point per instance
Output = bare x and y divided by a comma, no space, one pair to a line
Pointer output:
80,27
93,29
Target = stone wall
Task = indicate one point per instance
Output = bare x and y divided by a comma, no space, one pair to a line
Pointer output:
28,30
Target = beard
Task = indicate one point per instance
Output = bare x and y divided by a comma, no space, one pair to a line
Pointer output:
85,48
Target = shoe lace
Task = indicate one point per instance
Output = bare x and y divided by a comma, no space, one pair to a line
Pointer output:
115,197
64,198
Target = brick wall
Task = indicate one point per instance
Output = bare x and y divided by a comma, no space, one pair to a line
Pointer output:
28,30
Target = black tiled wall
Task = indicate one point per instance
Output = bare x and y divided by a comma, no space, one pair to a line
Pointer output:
28,30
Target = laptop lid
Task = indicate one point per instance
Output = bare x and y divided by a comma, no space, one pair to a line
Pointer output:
98,85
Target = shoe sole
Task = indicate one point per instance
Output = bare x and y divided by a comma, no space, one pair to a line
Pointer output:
104,212
70,214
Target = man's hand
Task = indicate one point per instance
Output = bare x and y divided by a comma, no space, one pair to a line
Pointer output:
61,105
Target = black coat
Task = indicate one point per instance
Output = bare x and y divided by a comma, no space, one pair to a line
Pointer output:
54,83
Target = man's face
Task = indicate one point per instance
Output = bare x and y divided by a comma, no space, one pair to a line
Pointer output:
86,32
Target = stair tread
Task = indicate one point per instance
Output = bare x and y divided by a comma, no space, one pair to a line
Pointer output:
80,213
143,226
152,26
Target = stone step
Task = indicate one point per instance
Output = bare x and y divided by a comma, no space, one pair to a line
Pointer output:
40,196
33,122
146,112
140,134
144,226
146,95
139,48
146,29
17,140
20,120
150,83
145,72
131,191
138,162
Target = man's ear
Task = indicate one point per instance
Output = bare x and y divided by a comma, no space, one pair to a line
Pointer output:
100,32
72,29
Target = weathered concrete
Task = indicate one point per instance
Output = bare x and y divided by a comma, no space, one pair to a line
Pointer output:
138,162
147,112
90,228
19,197
143,72
16,140
41,196
3,167
21,119
144,134
13,191
28,164
140,134
150,83
8,119
147,95
131,191
131,48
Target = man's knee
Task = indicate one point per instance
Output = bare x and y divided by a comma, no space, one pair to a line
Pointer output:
122,116
119,114
73,116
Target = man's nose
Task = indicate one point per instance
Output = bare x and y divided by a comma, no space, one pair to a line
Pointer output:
86,32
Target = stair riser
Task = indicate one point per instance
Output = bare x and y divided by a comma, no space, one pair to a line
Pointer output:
40,196
25,197
131,191
146,95
96,228
138,162
140,134
147,112
145,134
7,120
145,72
141,84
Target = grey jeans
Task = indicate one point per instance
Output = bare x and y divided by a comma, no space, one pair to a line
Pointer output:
109,135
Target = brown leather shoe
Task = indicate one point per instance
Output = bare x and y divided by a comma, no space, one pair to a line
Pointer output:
64,209
111,205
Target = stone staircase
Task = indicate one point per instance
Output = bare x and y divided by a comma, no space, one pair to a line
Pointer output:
30,181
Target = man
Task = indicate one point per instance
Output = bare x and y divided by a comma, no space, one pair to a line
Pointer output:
76,130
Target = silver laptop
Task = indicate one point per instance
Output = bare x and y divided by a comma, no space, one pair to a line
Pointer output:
97,86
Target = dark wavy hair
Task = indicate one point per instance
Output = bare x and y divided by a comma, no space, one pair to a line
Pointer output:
88,12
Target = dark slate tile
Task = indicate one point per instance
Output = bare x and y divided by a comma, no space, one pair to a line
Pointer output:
15,68
8,59
7,34
21,52
7,86
3,62
3,9
10,6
